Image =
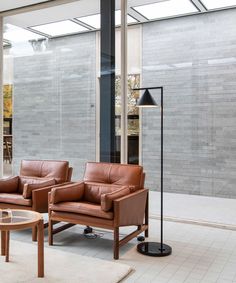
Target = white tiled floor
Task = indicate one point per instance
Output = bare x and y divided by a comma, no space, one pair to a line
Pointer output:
200,254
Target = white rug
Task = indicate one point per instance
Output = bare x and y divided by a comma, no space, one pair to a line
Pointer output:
60,267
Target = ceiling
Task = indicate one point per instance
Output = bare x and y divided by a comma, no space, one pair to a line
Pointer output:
82,8
13,4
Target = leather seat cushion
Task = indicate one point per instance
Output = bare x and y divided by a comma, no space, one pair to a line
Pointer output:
15,199
82,219
85,208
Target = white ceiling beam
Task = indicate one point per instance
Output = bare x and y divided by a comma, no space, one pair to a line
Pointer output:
136,15
199,5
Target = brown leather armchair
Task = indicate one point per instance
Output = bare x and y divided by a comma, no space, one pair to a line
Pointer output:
110,196
30,189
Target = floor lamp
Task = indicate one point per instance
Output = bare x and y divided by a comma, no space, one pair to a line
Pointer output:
153,248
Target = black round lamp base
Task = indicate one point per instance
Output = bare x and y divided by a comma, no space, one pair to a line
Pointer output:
154,249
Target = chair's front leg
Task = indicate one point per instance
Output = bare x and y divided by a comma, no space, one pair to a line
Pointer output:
50,231
7,245
3,242
40,230
34,234
116,243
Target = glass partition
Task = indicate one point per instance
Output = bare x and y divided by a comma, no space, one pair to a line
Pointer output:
133,81
50,70
52,83
194,60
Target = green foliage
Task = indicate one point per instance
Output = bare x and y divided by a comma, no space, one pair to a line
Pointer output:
133,82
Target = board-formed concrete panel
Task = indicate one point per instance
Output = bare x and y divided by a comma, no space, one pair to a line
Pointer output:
54,102
194,59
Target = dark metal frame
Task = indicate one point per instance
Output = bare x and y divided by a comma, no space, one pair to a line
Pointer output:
107,82
150,248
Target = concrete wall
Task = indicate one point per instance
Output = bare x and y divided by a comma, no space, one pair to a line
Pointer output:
194,58
54,102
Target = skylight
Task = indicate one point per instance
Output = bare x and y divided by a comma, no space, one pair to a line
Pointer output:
60,28
215,4
130,20
16,34
95,20
166,8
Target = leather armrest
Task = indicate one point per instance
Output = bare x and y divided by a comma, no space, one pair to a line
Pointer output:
9,185
130,209
107,199
69,192
70,171
40,198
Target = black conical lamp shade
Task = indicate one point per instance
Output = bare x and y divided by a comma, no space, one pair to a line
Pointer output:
146,100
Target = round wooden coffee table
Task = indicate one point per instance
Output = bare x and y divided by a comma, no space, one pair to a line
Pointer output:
16,219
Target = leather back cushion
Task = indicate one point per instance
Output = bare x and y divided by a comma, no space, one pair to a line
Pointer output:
57,170
113,173
94,191
9,185
28,188
30,180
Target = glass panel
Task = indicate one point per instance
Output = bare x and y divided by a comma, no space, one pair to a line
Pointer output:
133,81
53,83
194,60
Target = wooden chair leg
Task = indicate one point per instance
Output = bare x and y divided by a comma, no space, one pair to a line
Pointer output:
3,242
116,243
40,230
34,234
50,232
7,247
